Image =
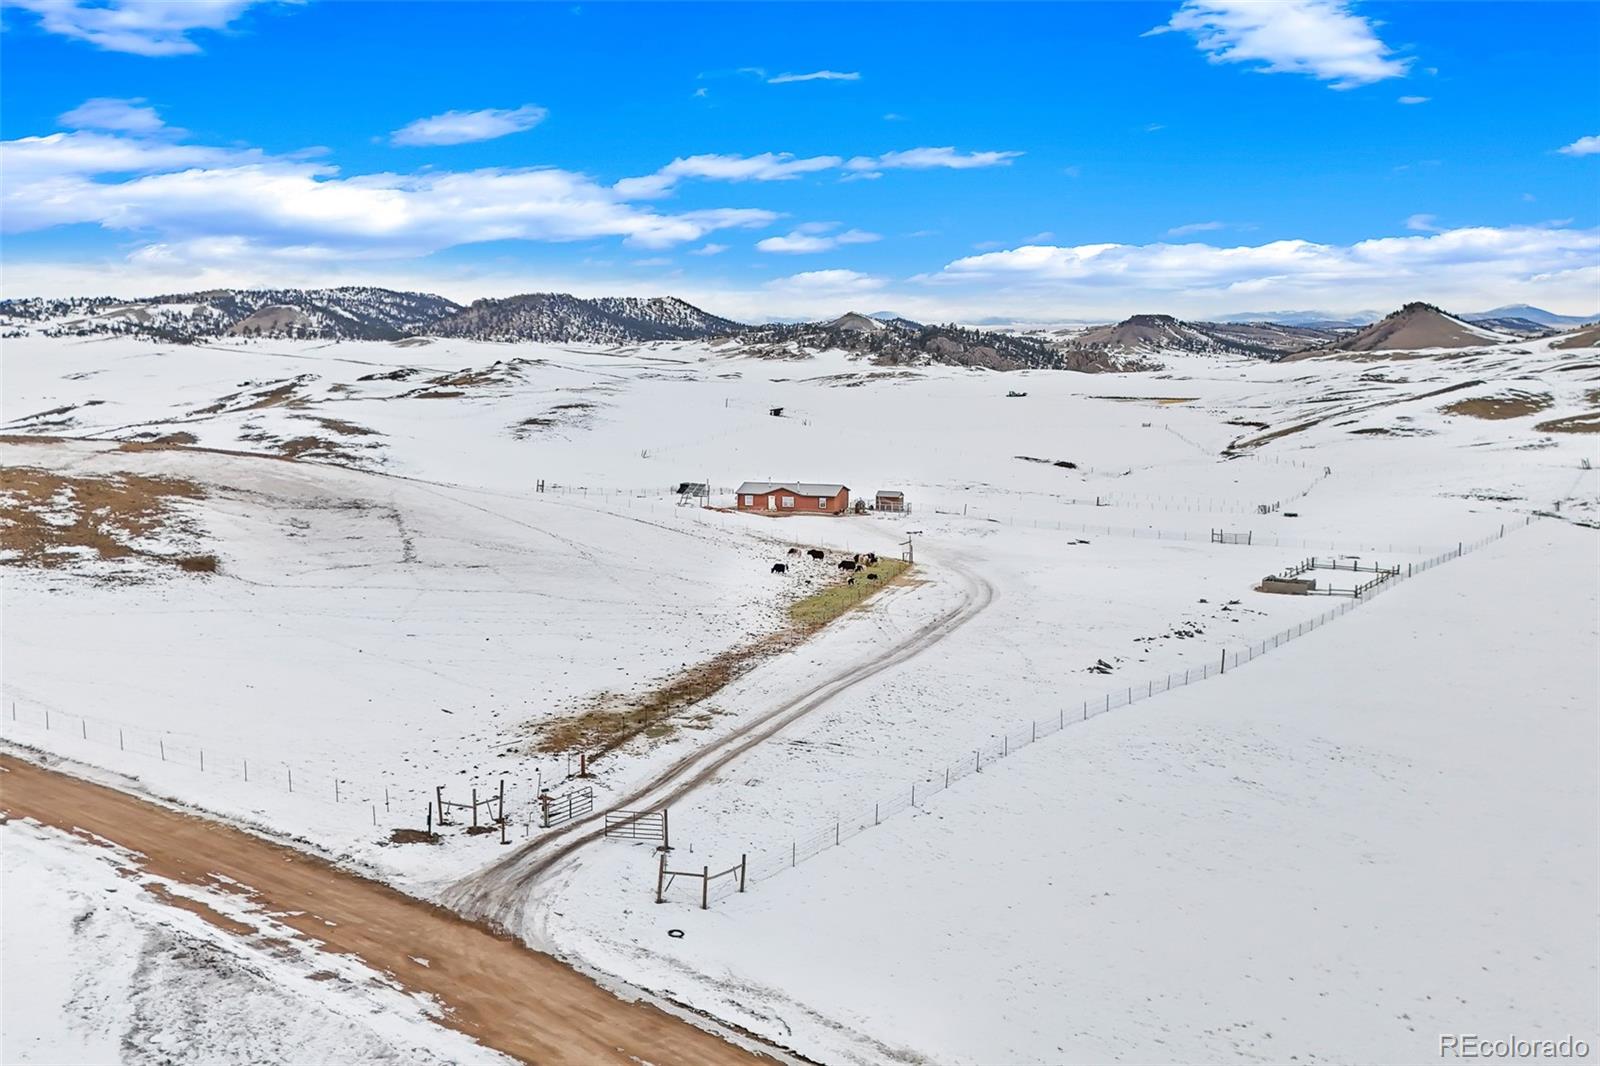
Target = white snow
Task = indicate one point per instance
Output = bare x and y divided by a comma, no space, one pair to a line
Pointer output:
1141,885
96,969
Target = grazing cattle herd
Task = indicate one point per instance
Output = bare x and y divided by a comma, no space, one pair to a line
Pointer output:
853,563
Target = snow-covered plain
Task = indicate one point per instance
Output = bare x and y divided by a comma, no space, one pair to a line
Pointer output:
395,609
99,969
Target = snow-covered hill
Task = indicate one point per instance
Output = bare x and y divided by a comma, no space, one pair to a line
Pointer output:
558,318
350,313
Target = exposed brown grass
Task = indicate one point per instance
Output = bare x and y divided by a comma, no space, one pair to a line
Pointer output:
820,608
339,425
198,564
170,440
1513,404
1588,422
614,720
413,836
51,520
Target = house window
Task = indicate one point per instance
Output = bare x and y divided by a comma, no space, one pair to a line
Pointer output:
788,501
749,501
822,501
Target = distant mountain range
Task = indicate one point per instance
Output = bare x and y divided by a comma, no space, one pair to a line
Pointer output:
364,313
1532,314
1314,319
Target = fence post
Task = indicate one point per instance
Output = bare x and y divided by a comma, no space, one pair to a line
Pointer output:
1224,662
83,724
705,887
791,853
875,811
977,760
336,790
123,747
202,760
290,771
160,741
742,858
247,775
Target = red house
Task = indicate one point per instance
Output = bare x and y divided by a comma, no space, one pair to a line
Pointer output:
792,497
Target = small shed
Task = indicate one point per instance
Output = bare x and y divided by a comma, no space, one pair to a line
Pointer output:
890,500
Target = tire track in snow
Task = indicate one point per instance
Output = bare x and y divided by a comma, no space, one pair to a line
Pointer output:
500,893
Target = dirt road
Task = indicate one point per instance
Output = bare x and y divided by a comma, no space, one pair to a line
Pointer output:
507,996
500,893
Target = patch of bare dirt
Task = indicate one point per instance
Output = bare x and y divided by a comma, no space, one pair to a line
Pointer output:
1514,403
1588,422
50,520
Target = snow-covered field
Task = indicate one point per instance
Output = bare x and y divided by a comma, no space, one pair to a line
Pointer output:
1254,867
99,968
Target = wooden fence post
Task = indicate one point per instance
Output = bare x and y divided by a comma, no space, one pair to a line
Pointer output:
742,858
705,887
661,878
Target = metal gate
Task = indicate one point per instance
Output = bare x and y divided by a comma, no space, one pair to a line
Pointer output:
559,810
637,825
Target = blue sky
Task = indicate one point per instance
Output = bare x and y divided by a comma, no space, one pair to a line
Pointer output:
1042,161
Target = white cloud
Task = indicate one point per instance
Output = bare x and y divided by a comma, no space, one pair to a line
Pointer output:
931,158
1583,146
1320,38
139,27
783,166
107,113
466,127
1195,227
1459,267
828,282
195,202
1423,223
814,237
816,75
1415,99
768,166
710,249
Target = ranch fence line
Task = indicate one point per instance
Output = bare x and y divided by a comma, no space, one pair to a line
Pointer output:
656,501
765,865
384,804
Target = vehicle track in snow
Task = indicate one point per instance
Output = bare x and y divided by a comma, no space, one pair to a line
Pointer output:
500,893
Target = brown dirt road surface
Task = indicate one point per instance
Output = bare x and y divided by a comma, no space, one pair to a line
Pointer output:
508,997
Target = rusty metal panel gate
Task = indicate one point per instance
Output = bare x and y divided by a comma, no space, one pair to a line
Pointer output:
558,810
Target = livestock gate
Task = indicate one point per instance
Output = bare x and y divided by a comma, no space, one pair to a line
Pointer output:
558,810
638,825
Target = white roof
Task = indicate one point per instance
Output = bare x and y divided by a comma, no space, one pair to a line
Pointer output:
799,488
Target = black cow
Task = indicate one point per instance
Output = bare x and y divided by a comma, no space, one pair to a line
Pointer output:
852,581
872,577
872,558
847,564
779,568
815,553
794,551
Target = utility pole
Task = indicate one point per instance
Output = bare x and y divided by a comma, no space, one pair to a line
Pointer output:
911,554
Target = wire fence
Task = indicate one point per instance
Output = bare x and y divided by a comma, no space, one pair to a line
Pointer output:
663,506
386,802
770,863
